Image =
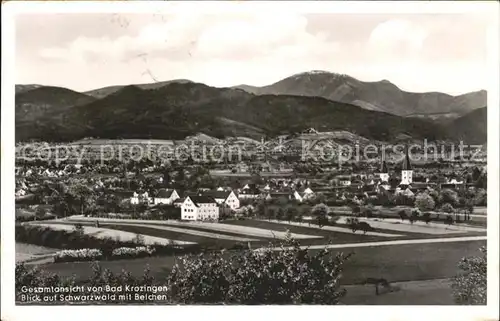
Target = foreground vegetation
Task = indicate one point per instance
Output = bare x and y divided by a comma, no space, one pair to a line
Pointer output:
290,276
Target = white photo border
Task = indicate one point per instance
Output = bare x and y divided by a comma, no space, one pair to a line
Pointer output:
10,312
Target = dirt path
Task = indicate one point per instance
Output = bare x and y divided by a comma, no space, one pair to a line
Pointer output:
395,242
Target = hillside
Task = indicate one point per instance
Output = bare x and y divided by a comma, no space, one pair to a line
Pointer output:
178,110
380,96
32,105
471,128
106,91
23,88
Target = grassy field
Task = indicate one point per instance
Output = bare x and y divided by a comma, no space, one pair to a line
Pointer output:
429,292
28,252
259,232
395,263
335,237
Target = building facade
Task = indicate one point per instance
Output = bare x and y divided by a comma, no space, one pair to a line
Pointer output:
199,208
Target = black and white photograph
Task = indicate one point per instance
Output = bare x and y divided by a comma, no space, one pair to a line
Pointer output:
250,154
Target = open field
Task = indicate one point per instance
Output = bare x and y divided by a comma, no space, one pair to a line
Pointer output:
431,225
29,252
339,229
428,292
396,263
187,231
114,234
258,232
251,232
401,227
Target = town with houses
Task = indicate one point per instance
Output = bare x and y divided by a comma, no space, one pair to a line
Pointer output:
269,194
193,192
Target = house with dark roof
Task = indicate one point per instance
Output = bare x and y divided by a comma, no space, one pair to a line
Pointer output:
199,208
166,196
228,198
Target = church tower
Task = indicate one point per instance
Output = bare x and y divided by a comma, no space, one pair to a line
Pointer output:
406,170
384,172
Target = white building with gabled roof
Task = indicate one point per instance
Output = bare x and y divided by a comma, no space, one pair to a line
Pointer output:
199,208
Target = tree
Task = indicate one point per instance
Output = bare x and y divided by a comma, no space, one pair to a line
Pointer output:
320,198
39,213
482,181
356,210
415,215
426,217
290,276
368,211
480,199
261,208
447,208
83,197
79,229
424,202
448,196
353,223
290,213
469,286
282,201
280,214
320,211
469,208
364,226
271,213
402,214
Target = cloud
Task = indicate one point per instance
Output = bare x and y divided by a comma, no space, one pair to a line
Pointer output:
416,52
228,37
397,39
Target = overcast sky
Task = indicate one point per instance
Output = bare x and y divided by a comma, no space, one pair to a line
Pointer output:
418,53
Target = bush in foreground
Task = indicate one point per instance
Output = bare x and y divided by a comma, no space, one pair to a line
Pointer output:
78,255
469,286
291,275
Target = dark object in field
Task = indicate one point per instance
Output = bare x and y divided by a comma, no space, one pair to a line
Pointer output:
363,226
427,218
380,282
403,215
448,220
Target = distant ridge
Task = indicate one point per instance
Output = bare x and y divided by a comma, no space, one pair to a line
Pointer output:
103,92
471,128
178,110
380,95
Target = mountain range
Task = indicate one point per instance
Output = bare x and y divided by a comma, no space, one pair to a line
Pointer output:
380,96
179,108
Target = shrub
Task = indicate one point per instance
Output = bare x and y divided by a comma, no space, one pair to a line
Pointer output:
469,286
290,276
78,255
132,252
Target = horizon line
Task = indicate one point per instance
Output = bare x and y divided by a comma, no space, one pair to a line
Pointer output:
312,71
